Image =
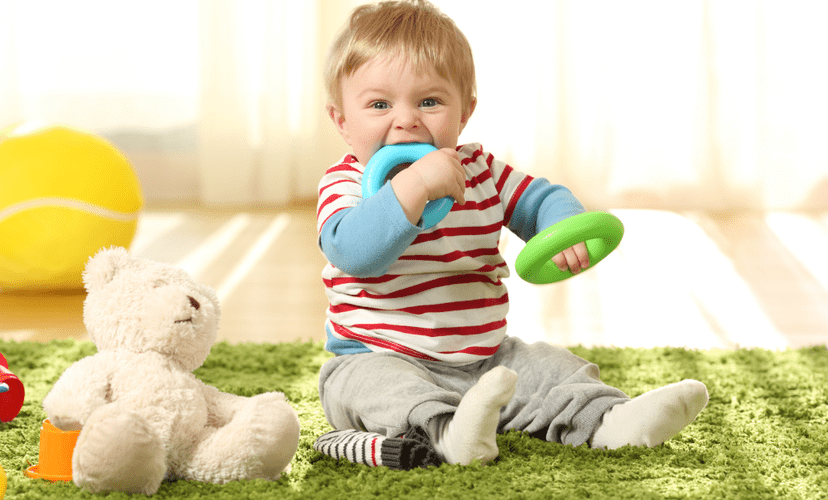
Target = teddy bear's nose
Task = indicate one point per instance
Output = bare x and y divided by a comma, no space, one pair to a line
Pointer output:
194,303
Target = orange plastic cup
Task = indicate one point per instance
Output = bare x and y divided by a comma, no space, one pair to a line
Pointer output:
55,457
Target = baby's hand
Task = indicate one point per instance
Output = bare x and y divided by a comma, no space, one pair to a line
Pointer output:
574,258
434,176
441,174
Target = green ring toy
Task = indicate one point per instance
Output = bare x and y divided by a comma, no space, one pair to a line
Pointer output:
601,232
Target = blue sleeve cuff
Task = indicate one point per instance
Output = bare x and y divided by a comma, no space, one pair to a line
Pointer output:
541,205
340,346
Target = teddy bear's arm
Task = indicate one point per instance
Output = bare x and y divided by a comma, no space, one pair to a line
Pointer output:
81,389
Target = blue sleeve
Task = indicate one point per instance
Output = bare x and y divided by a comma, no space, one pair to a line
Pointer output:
541,205
363,241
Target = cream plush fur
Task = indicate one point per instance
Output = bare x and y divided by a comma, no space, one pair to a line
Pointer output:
144,416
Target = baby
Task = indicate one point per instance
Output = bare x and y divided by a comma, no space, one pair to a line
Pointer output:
417,317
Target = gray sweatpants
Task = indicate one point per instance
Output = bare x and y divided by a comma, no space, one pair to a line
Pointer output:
559,396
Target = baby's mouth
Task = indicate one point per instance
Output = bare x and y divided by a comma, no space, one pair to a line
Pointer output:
402,166
396,170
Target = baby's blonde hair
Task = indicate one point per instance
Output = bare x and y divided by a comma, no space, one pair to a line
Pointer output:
414,30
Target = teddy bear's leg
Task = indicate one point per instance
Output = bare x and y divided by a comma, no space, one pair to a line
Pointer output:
117,450
258,443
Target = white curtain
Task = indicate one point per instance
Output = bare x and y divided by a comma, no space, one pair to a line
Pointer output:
643,103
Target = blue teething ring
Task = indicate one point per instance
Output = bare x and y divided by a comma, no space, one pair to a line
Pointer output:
388,157
601,232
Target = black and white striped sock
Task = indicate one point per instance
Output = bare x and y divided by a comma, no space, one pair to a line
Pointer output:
375,450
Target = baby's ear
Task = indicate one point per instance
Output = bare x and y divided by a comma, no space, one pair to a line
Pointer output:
338,119
102,267
464,119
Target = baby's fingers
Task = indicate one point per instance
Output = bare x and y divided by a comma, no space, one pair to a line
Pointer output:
459,175
451,152
582,254
574,259
459,195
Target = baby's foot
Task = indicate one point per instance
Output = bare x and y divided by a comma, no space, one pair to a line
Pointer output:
653,417
471,433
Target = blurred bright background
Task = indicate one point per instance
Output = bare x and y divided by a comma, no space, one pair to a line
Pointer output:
684,104
700,123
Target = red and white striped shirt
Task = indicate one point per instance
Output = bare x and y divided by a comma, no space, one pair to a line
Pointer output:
442,298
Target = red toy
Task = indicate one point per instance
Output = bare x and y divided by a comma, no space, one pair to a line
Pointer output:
11,392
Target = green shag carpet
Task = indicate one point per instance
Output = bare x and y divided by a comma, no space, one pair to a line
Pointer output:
764,433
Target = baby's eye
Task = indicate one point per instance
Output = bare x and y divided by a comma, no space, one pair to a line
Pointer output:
380,105
429,102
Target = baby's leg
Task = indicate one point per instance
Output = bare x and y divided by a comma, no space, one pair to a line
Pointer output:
469,434
559,396
653,417
385,393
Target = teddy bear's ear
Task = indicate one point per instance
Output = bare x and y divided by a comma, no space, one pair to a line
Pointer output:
102,267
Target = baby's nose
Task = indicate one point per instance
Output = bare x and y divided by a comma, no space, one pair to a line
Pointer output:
406,119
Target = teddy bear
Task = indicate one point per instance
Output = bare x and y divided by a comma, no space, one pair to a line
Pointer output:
143,416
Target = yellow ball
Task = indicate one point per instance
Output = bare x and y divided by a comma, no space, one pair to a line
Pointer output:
2,483
64,195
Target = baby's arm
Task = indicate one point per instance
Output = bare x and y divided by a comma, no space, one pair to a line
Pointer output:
365,240
434,176
542,205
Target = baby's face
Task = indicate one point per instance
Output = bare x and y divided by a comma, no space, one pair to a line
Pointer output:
386,101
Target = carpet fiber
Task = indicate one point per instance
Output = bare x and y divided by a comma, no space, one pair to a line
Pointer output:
764,433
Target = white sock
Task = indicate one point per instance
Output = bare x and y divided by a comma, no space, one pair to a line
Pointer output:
653,417
470,434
